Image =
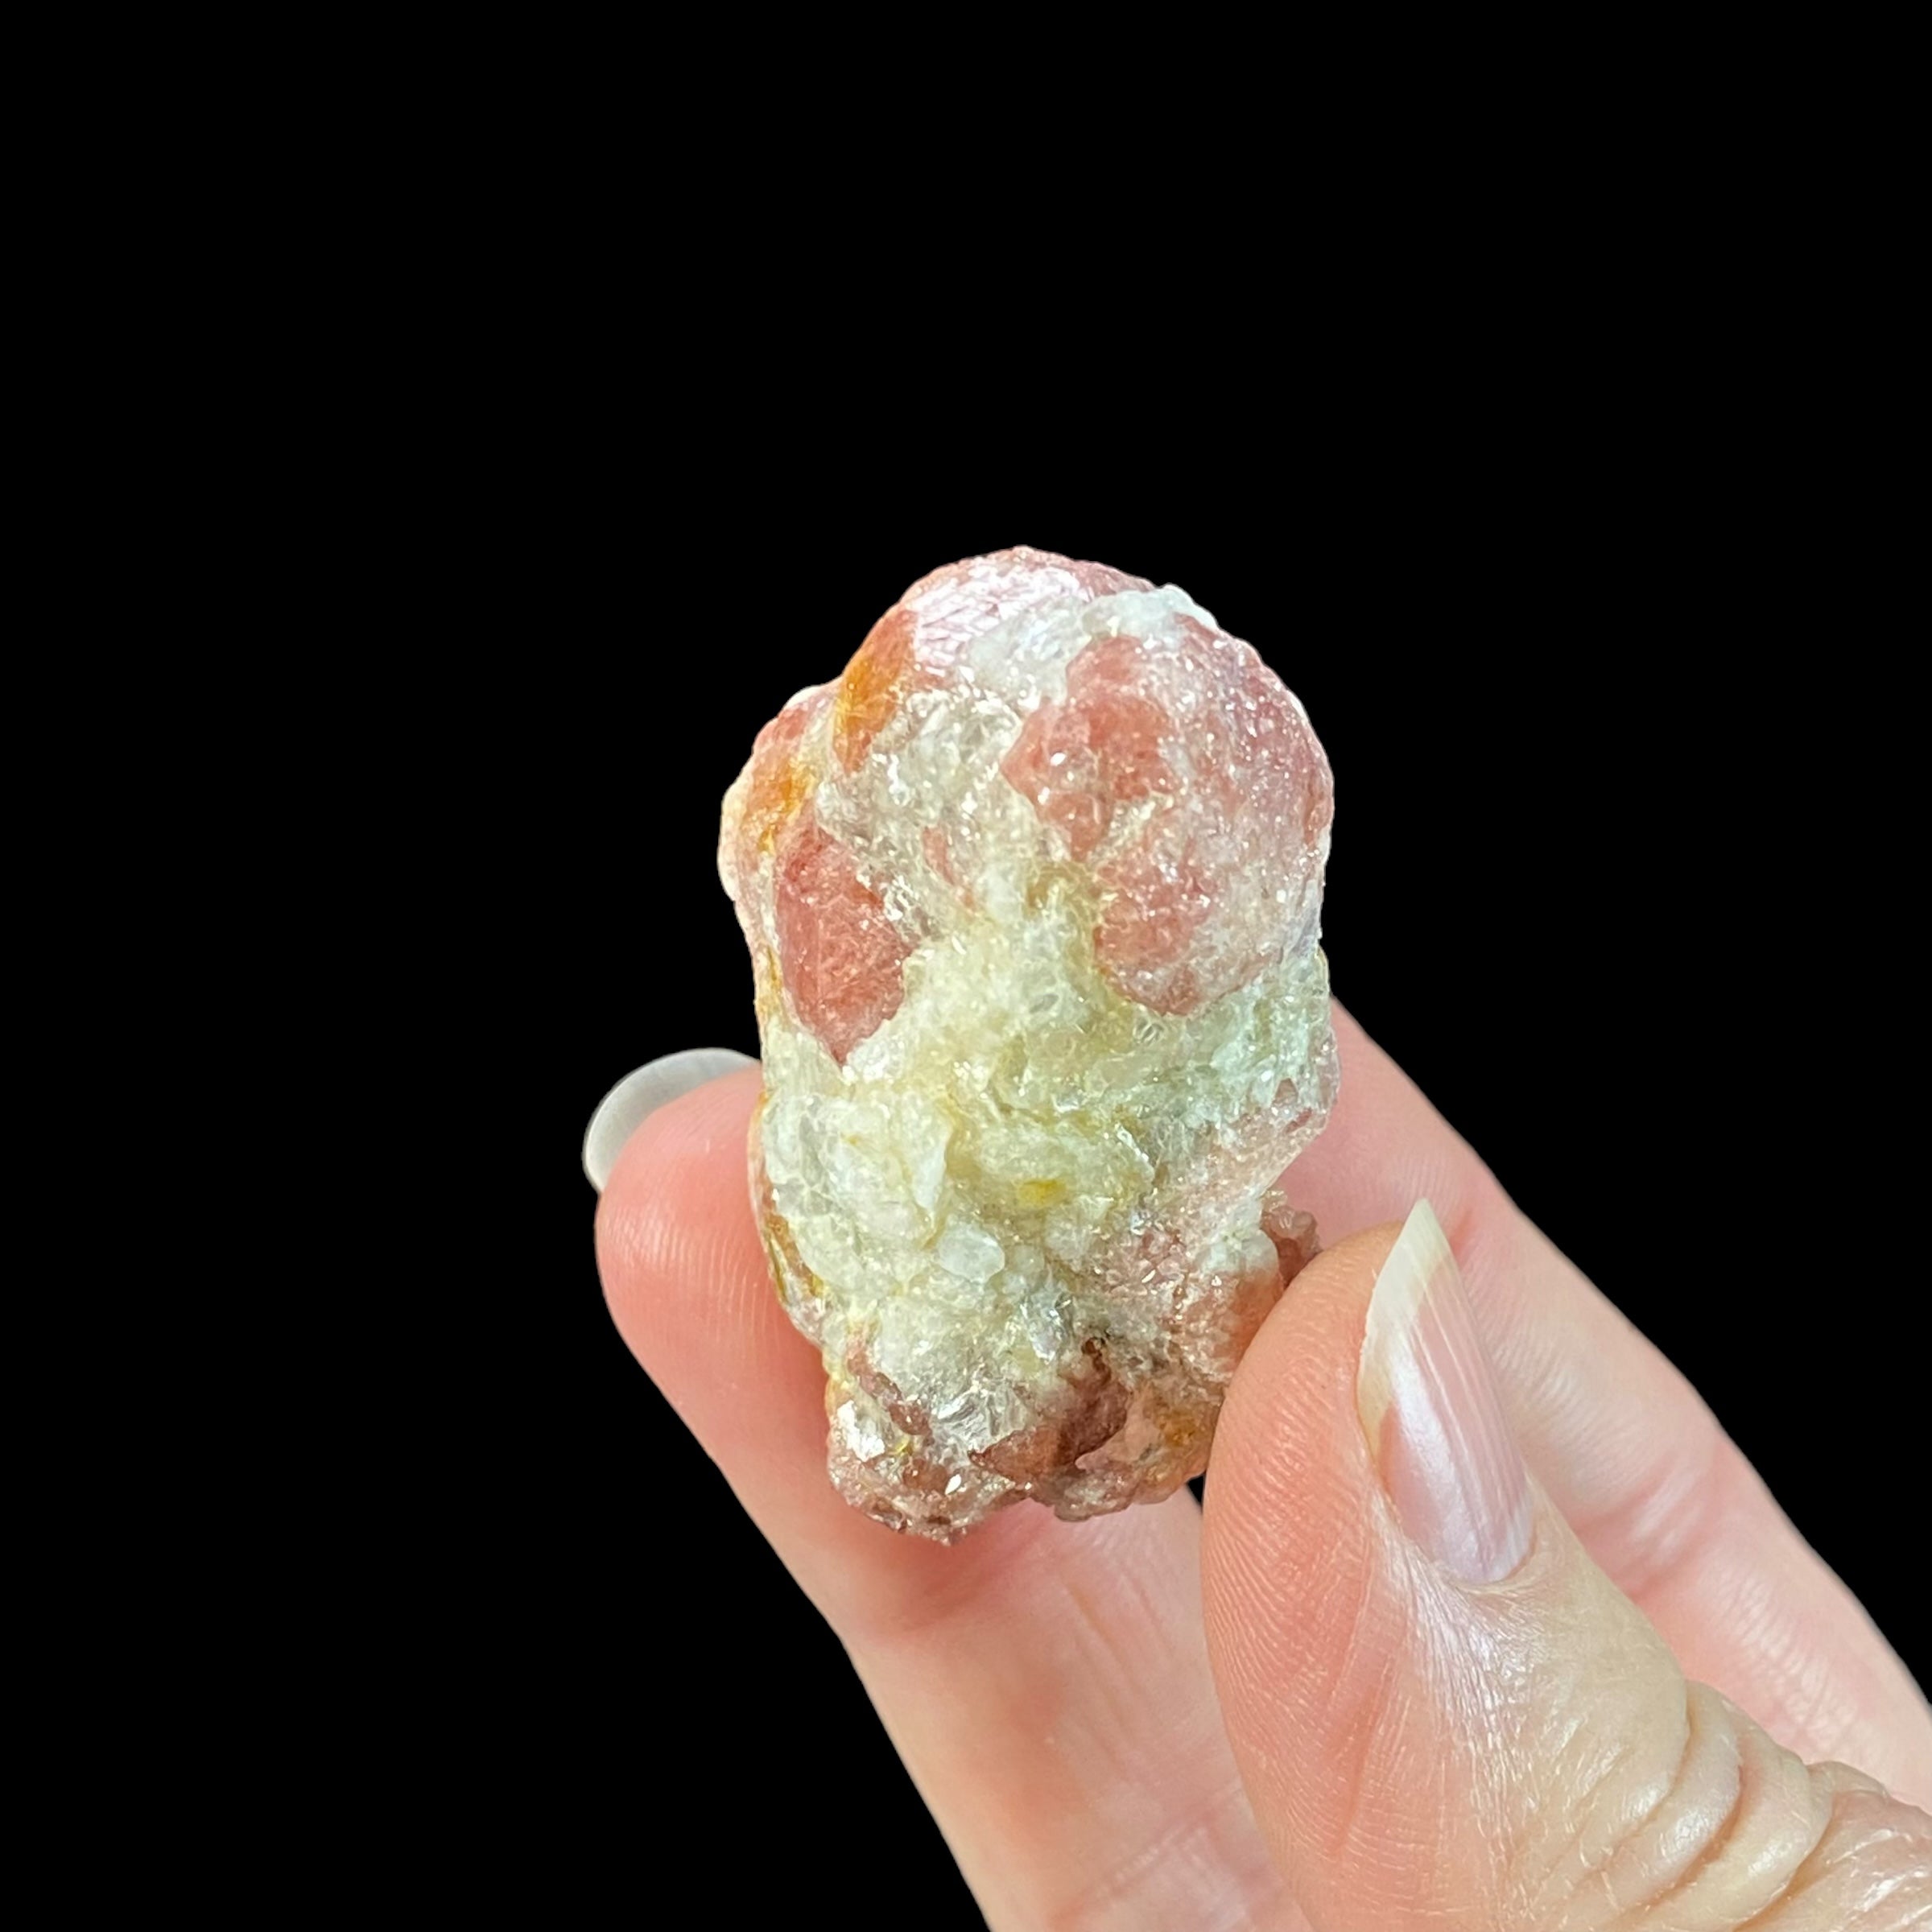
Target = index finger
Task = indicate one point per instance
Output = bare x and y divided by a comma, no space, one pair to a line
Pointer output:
1047,1684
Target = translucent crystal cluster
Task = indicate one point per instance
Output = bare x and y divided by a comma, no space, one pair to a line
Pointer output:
1032,895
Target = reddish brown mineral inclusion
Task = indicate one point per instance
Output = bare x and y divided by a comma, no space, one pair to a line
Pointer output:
1178,928
1100,747
840,955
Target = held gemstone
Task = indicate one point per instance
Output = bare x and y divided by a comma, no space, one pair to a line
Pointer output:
1032,895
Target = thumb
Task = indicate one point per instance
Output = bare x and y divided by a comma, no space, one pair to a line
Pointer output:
1447,1716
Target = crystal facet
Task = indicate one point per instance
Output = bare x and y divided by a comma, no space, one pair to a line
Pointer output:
1033,896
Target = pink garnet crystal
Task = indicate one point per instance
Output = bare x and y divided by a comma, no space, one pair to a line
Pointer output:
1032,894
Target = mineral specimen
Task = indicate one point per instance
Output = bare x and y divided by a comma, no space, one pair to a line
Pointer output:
1033,896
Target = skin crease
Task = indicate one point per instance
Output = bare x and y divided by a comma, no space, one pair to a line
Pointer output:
1038,1657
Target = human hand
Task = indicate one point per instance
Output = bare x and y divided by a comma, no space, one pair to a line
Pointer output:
1185,1720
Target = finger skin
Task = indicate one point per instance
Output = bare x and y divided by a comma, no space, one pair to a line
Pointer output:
1630,1454
1046,1683
1619,1438
1520,1756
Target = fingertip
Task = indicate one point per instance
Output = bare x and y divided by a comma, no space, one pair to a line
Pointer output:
677,1245
673,1141
645,1092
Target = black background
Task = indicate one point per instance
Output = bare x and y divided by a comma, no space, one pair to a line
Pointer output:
1623,866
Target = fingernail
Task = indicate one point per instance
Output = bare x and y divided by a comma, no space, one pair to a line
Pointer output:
622,1111
1429,1402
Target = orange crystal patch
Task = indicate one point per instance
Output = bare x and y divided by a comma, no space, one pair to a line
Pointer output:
869,692
777,781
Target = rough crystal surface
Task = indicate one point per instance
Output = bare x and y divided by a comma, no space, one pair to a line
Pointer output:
1033,897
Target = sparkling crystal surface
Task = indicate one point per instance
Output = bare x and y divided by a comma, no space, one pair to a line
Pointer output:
1033,897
